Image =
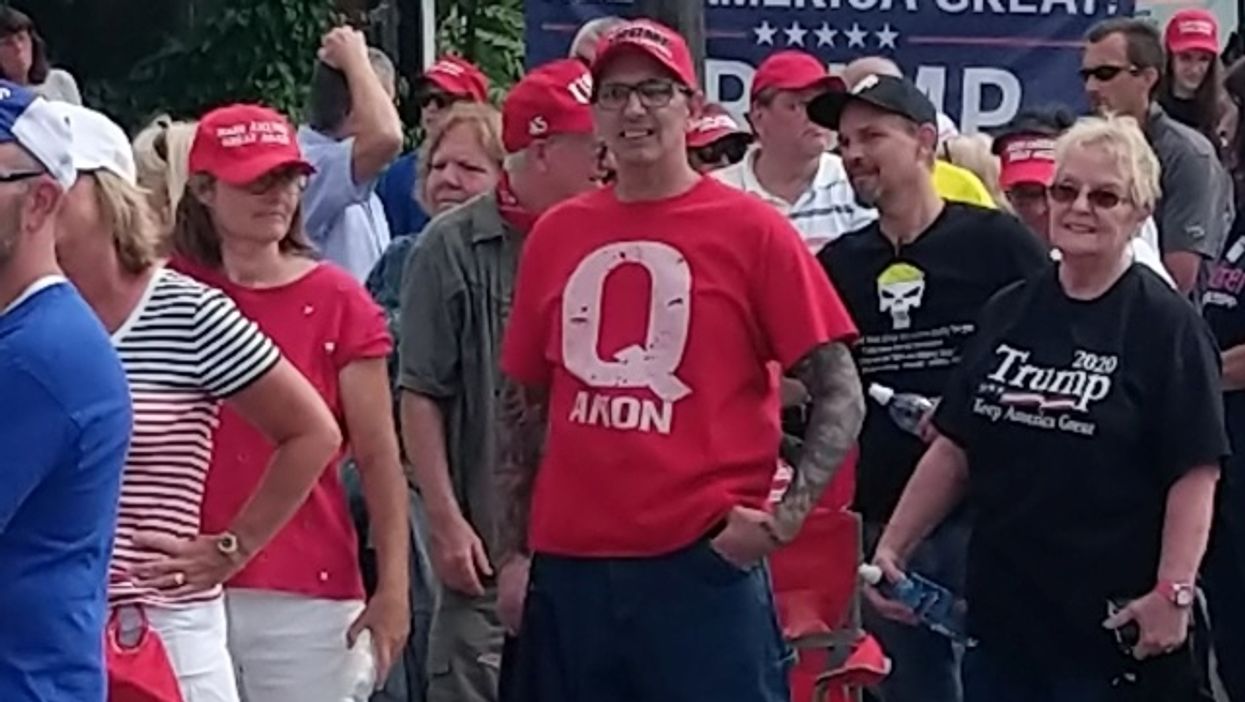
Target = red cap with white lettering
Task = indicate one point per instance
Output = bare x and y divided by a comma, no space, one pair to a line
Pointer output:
1193,29
652,39
552,99
713,123
1027,158
239,144
457,77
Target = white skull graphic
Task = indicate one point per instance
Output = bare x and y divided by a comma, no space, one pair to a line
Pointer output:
900,289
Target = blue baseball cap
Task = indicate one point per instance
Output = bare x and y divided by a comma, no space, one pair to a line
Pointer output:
34,124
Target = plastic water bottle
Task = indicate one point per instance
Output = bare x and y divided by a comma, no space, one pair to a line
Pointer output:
938,609
362,669
905,408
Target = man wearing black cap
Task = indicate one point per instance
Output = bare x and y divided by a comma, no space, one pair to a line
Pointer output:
913,281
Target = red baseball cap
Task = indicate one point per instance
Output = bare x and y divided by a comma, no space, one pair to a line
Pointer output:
555,98
458,77
653,39
793,70
241,143
714,123
1027,158
1192,29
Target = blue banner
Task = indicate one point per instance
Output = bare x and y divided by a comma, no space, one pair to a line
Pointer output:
979,60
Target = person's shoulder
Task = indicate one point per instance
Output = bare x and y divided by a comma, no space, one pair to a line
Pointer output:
1163,303
732,175
865,238
1172,140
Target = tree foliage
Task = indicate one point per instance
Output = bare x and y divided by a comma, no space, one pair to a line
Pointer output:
486,32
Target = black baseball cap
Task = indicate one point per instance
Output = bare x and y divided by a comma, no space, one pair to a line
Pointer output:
889,93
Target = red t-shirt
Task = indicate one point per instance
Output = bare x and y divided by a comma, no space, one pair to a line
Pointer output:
652,324
322,322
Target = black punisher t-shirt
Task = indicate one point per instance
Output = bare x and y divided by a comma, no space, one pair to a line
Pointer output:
915,306
1077,417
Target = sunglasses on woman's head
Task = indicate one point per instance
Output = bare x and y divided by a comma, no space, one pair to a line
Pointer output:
439,100
1098,198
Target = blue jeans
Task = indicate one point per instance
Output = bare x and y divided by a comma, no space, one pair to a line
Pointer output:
685,627
926,665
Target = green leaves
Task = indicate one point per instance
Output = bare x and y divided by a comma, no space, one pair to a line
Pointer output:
237,51
486,32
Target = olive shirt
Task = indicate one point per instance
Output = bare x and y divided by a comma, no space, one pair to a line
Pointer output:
456,295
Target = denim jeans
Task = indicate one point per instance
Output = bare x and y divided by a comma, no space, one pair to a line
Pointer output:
988,678
926,665
685,627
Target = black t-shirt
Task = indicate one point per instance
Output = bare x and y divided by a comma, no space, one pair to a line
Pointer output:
1076,417
1182,110
1223,306
914,308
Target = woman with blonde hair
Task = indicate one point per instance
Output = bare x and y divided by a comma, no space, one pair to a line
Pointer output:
460,159
161,153
301,626
1086,422
972,153
186,350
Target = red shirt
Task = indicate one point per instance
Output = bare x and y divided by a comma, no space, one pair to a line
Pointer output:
322,322
652,324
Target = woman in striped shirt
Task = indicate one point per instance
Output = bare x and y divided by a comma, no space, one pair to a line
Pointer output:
186,349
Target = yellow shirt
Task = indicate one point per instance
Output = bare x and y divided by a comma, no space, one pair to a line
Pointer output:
960,185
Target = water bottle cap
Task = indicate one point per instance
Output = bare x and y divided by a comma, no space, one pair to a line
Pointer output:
870,573
880,393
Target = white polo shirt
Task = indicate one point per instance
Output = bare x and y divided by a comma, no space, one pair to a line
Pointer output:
823,213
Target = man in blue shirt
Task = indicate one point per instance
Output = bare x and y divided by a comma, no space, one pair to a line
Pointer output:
352,135
65,422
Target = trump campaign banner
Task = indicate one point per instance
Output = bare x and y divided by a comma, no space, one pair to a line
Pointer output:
980,61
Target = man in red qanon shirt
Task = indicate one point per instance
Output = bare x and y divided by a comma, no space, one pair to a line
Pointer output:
639,423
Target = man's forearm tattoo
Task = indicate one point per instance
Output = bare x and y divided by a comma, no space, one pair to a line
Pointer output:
838,410
522,415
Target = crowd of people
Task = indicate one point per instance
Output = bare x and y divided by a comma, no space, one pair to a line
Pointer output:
522,414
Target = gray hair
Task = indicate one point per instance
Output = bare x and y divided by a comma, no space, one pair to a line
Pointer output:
584,46
1123,141
328,102
855,71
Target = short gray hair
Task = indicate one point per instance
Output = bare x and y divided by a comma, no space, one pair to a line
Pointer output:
1123,141
584,46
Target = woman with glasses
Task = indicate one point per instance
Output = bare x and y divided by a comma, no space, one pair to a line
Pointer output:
298,622
24,59
187,351
1086,425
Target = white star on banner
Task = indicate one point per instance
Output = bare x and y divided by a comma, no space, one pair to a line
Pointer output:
795,34
856,36
825,35
886,37
765,33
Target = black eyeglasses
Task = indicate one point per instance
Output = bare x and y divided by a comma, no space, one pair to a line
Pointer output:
1107,73
653,94
1027,192
1098,198
19,176
439,100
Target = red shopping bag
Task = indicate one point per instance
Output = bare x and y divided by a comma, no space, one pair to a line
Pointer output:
140,672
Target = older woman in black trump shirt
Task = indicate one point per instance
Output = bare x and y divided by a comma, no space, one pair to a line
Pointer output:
1085,427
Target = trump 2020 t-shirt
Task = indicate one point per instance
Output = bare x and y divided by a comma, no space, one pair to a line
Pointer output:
656,326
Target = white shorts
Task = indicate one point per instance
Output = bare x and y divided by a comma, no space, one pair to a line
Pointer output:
196,640
290,648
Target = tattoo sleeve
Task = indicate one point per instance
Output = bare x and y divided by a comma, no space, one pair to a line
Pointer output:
838,410
522,425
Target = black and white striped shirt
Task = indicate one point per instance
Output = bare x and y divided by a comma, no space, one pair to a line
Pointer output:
185,347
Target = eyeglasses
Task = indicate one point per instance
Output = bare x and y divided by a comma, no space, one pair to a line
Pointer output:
439,100
653,94
280,178
1098,198
1107,73
19,176
723,152
1027,192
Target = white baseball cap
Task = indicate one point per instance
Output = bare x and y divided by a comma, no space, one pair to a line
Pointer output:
34,123
99,144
